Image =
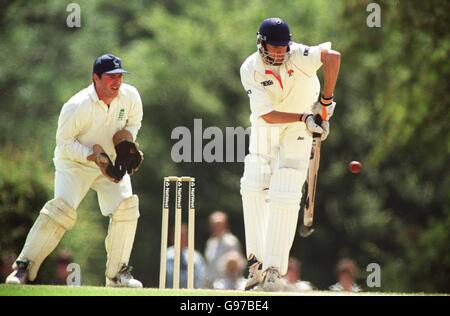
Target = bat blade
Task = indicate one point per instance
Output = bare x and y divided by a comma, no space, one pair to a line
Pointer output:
308,214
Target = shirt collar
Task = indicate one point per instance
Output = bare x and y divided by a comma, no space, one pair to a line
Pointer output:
94,96
260,66
92,93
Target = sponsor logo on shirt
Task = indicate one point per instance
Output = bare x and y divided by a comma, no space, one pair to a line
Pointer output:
267,83
306,52
249,91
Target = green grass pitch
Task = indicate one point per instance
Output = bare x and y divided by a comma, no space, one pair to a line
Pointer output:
47,290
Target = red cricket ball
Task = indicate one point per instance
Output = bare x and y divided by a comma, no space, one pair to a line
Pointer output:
354,166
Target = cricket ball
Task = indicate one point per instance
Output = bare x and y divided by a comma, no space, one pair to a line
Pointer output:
354,166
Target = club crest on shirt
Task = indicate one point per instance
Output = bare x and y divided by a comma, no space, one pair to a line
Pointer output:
121,114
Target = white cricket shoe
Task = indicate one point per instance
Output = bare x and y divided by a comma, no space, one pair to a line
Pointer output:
124,279
273,282
254,273
20,273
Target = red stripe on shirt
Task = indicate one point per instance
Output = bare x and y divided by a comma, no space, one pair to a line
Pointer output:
270,72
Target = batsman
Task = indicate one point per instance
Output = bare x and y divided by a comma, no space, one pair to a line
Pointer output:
284,91
97,126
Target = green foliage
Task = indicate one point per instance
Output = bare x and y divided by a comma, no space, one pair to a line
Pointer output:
184,58
23,190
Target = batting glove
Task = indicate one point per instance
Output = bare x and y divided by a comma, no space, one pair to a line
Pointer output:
324,110
311,126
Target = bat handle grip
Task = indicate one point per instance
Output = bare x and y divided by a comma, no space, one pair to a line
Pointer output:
318,120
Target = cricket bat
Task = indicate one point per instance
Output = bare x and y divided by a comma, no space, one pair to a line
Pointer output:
313,170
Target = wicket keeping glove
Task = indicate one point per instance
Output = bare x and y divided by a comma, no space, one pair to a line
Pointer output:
129,157
105,164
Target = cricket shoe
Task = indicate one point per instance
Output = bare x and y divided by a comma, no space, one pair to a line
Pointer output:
254,273
20,273
124,279
273,282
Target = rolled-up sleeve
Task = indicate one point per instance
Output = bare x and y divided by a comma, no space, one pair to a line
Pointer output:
135,115
310,56
70,123
260,102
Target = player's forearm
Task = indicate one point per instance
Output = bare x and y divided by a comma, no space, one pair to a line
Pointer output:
277,117
331,64
74,150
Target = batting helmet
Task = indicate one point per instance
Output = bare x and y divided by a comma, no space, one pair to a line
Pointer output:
274,31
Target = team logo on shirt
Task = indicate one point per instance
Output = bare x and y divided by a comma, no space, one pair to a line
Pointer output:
290,72
121,114
267,83
306,52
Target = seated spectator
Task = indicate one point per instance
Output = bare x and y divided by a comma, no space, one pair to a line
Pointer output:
7,259
62,261
293,277
221,242
232,265
346,273
199,263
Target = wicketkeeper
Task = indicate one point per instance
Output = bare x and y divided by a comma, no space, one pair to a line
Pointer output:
280,80
97,126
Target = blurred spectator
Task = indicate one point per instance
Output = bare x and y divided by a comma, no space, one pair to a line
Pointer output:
232,265
199,263
220,242
293,277
6,261
346,273
62,261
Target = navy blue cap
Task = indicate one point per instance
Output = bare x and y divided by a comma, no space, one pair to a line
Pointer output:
108,64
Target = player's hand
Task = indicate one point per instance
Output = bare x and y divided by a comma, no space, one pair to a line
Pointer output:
326,130
105,164
311,126
129,157
324,108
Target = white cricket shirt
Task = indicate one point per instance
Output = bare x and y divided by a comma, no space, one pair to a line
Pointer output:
291,87
85,120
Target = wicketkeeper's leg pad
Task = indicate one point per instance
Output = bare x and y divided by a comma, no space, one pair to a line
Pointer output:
54,219
285,194
121,232
254,186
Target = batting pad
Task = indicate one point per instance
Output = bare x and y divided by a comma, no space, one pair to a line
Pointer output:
54,219
254,187
120,238
285,194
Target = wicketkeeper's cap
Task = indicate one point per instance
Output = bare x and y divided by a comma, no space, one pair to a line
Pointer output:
108,64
